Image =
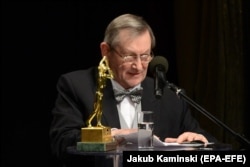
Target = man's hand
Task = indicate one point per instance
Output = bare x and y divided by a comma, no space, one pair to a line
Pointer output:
187,136
117,132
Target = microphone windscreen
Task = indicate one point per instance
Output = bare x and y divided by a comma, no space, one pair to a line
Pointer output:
160,62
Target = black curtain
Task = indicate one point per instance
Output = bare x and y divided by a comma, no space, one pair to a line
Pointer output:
211,61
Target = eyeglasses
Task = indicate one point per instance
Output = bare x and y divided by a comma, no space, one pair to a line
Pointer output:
131,58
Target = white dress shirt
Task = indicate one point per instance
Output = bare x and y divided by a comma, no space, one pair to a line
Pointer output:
127,110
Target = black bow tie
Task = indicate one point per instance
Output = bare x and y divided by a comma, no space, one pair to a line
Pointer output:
135,95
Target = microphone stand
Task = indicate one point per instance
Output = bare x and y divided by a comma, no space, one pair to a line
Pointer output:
180,93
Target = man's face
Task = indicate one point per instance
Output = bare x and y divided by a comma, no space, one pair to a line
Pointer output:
132,73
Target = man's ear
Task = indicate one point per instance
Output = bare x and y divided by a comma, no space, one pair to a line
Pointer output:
105,49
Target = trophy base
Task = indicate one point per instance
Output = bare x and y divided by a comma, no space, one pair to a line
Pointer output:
95,147
96,134
96,139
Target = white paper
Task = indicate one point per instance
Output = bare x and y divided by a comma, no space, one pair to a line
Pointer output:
133,138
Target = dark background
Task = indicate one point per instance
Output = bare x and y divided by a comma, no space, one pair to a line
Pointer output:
42,40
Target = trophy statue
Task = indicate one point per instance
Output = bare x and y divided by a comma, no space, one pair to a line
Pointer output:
98,138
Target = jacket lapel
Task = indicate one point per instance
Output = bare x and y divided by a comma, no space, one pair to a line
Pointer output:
148,101
110,113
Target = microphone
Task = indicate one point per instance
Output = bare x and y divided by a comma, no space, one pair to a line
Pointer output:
158,67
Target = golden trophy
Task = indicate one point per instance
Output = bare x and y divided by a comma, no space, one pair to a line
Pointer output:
98,138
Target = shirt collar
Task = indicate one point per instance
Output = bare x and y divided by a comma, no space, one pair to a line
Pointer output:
117,86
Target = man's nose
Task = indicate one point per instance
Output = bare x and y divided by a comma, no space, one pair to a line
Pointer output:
137,62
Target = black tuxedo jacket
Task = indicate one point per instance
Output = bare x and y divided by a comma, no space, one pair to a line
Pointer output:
74,104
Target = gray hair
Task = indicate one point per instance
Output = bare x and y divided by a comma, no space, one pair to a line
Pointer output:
135,24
